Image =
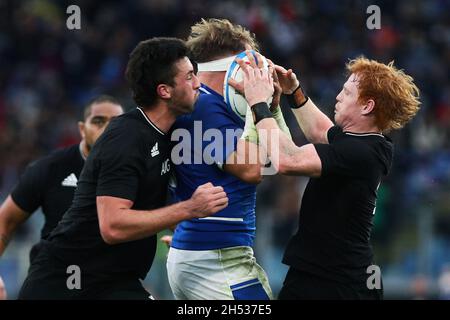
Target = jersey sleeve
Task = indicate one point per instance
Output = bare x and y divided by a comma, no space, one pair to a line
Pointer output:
333,132
27,193
121,165
345,157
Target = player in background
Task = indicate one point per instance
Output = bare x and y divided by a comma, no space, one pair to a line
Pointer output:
49,183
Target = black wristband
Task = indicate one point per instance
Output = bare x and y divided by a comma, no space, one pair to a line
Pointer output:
299,87
293,102
261,111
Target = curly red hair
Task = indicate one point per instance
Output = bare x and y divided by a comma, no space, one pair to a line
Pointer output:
394,92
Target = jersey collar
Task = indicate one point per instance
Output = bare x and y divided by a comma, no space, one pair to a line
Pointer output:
365,134
81,152
150,122
207,90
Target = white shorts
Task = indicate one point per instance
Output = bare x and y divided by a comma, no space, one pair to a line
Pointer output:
221,274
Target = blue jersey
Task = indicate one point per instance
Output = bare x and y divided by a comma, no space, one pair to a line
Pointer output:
204,139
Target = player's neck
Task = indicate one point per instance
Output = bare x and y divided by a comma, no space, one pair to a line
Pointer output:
161,117
213,79
361,128
84,150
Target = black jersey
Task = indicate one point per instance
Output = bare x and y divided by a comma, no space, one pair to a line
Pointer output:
50,183
336,215
130,160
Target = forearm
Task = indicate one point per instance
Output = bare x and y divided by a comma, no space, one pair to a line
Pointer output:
246,162
141,224
119,223
248,154
276,144
279,118
313,122
287,158
284,154
6,231
11,216
128,224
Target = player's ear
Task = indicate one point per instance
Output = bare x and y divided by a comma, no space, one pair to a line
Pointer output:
368,107
164,91
81,128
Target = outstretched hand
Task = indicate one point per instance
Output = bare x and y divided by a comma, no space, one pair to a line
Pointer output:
238,86
258,82
287,79
276,86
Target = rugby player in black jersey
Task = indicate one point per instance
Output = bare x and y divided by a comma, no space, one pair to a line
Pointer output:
49,183
330,255
108,236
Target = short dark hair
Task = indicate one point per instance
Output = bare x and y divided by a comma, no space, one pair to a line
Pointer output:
152,63
99,99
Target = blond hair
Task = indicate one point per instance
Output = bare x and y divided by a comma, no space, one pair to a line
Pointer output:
394,92
216,38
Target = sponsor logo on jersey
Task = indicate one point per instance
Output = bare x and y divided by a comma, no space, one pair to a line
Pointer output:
70,181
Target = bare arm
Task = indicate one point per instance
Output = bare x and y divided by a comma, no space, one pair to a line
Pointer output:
11,216
313,122
119,223
245,163
288,158
284,154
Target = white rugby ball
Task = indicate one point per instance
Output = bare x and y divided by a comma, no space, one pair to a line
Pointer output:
234,99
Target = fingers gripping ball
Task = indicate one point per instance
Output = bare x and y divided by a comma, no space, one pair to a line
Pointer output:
233,98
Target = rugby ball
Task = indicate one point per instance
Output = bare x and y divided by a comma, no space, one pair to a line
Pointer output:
234,99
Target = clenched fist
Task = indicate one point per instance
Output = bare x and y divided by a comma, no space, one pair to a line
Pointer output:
207,200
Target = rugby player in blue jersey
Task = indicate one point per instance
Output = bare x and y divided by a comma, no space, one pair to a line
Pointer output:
212,258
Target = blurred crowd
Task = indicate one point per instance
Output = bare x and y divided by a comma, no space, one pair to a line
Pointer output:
48,73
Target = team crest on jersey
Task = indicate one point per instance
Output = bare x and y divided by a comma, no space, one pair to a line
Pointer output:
155,150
